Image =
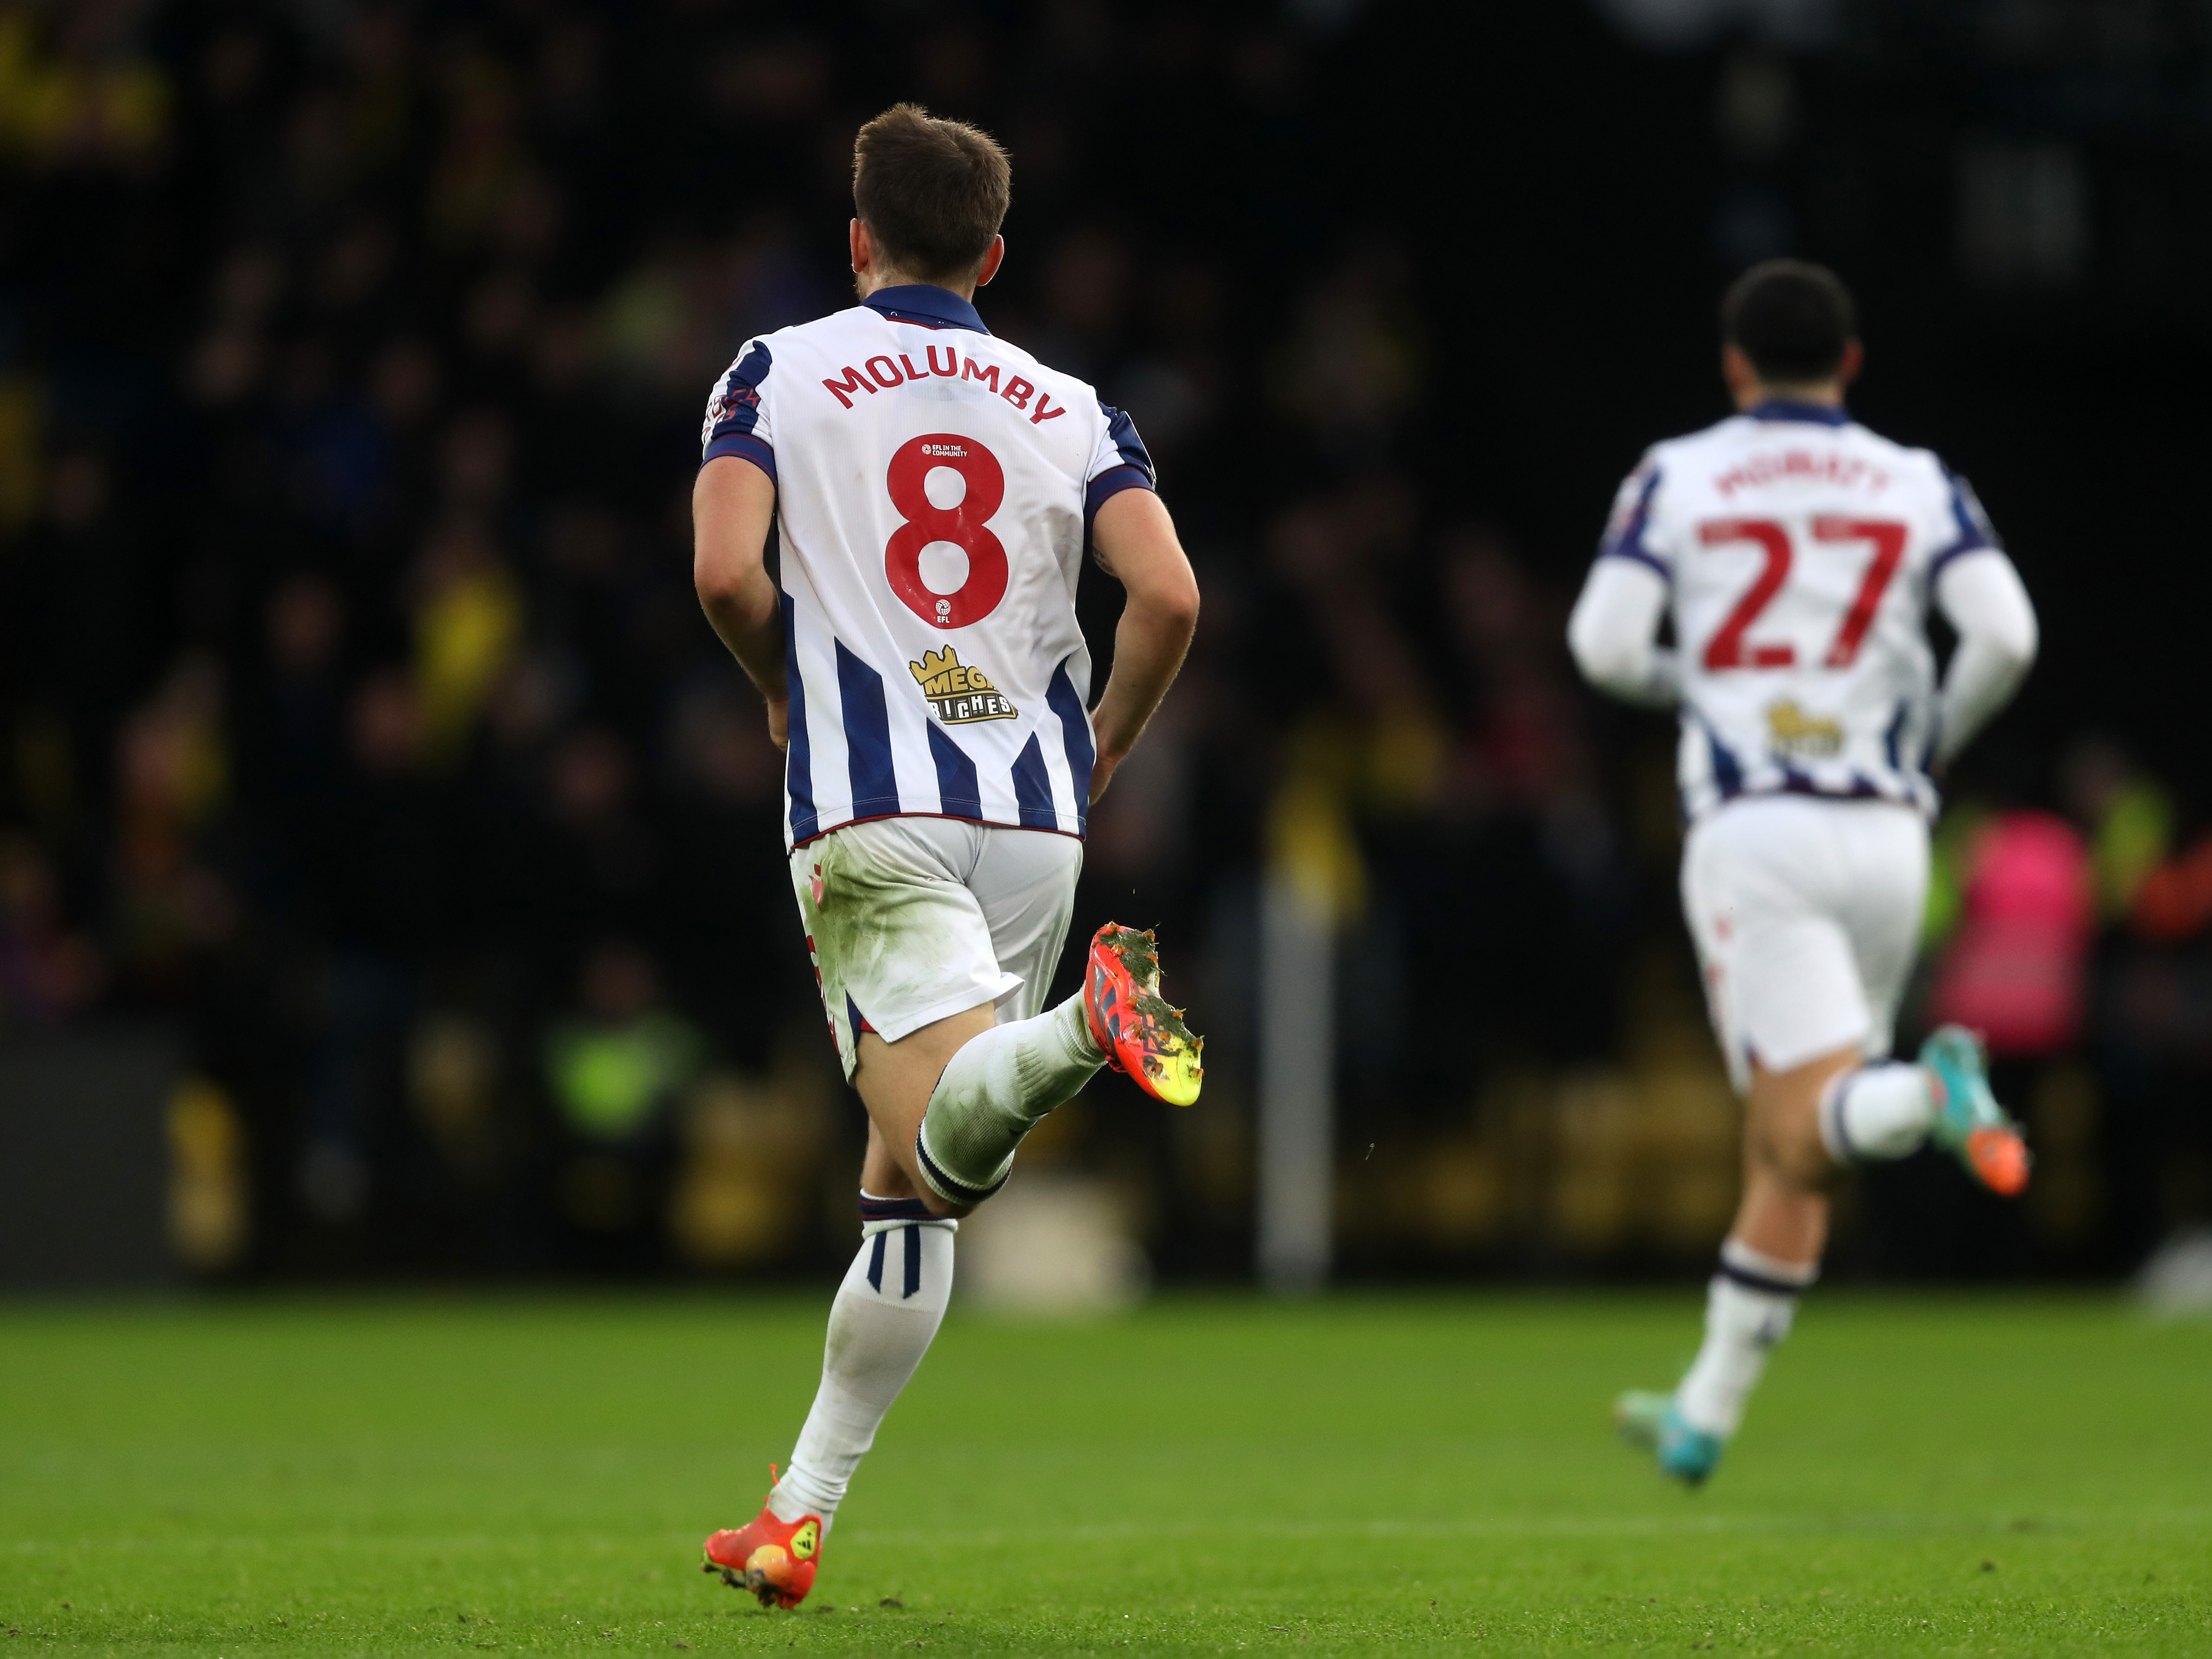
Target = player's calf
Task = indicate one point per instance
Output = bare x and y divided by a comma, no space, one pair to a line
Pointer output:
1001,1083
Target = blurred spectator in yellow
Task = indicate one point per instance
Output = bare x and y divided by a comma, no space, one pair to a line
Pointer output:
468,622
75,91
615,1069
172,780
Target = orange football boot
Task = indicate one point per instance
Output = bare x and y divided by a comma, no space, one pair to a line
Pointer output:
774,1559
1141,1035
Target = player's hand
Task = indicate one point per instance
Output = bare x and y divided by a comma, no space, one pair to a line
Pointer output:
779,723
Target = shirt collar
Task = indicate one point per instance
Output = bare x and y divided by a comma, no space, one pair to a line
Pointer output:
926,303
1784,409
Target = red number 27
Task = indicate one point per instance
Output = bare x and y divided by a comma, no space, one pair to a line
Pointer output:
1728,648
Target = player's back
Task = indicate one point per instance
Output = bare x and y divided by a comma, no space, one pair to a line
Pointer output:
1799,546
932,487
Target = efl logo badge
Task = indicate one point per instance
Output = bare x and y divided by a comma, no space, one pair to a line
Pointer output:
959,695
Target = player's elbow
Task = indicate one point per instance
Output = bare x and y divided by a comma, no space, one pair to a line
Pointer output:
2009,635
1174,606
723,578
1165,598
1607,660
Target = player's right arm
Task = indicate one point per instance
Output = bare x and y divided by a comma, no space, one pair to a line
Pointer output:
732,509
1136,543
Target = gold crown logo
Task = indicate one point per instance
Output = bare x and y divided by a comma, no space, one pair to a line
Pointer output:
934,663
941,675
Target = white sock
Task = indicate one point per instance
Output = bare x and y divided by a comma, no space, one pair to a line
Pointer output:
992,1093
1882,1111
1748,1309
888,1308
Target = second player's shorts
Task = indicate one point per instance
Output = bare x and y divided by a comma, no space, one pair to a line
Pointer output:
1806,913
911,919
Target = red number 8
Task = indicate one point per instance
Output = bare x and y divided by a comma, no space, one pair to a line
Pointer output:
964,525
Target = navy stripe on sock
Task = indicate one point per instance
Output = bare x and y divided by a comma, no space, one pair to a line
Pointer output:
894,1209
876,1264
1761,1282
913,1262
952,1186
1833,1109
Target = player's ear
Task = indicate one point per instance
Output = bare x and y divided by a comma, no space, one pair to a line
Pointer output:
1854,360
994,258
1742,378
864,255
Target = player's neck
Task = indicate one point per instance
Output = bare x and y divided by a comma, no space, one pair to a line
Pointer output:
868,282
1825,394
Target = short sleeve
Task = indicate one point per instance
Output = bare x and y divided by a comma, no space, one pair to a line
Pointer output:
1970,528
1119,461
1628,529
736,420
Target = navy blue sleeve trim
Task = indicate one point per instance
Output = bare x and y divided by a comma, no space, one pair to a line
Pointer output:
1110,483
1113,481
1628,543
1974,530
746,447
1958,550
1635,554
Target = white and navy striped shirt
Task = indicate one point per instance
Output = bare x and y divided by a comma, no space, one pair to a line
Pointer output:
1800,549
934,490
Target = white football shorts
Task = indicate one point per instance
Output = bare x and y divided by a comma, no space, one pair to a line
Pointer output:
911,919
1806,913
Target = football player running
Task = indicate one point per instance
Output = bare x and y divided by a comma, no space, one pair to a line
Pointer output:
1796,554
931,489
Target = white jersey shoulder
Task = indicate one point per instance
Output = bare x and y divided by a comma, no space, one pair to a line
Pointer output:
934,488
1799,548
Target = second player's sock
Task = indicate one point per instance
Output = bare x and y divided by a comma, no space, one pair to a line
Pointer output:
1748,1309
1880,1112
993,1092
886,1312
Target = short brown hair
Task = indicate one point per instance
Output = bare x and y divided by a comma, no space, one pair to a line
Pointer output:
932,192
1793,321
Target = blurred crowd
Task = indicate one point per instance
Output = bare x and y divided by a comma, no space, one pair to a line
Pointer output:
359,722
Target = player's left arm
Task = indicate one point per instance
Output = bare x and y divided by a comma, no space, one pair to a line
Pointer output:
1136,543
732,509
1981,595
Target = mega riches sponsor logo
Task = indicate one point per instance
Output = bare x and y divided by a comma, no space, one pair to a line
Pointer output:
959,695
1792,730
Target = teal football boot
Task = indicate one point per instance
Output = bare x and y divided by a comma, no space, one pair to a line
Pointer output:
1649,1422
1970,1125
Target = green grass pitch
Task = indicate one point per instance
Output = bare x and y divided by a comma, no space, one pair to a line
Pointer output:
1431,1474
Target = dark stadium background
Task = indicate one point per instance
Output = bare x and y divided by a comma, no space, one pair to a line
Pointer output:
389,875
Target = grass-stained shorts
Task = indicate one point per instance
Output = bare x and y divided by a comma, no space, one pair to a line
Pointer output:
911,919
